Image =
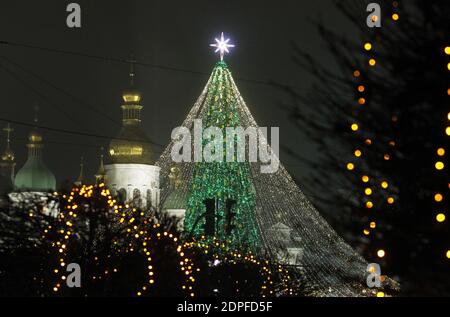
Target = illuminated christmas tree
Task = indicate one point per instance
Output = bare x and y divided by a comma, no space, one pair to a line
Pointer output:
221,197
266,212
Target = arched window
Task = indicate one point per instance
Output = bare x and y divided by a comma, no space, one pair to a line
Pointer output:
149,198
136,201
122,195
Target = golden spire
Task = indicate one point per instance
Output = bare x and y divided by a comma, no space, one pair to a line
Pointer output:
131,109
131,144
132,74
8,155
100,175
79,180
35,138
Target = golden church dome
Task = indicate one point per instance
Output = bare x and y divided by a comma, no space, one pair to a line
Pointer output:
35,137
8,155
130,96
131,146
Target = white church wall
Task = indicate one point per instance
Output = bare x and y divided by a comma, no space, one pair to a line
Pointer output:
132,177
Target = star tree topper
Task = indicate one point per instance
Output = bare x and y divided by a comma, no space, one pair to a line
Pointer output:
222,46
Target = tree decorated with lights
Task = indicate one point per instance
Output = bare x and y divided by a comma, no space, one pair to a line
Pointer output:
122,251
266,213
383,134
227,185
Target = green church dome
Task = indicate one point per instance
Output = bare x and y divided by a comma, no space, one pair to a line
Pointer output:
35,176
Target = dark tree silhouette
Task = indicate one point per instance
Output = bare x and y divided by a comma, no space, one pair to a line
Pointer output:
380,126
122,251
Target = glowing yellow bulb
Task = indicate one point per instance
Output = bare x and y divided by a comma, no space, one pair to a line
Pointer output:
367,46
350,166
380,294
354,127
387,157
441,152
395,17
366,232
447,130
438,197
384,184
447,50
368,191
381,253
439,166
365,178
372,62
358,153
373,225
361,88
390,200
369,204
448,66
448,254
440,217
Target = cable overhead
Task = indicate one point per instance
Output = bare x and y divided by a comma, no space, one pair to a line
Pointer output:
38,93
108,137
73,97
61,90
154,66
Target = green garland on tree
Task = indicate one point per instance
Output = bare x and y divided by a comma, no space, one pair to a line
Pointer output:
223,182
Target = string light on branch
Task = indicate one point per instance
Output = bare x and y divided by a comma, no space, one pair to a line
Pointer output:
439,165
438,197
440,217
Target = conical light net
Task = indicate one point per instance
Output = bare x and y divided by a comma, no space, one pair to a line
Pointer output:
290,229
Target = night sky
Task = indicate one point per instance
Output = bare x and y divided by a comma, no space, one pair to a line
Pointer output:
175,34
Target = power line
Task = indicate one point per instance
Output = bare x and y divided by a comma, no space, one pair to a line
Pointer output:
35,91
76,99
270,83
71,96
85,134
